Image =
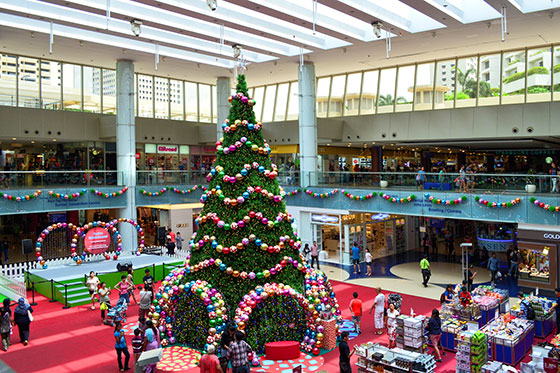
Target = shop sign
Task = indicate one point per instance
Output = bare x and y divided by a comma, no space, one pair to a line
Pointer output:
380,216
137,155
325,218
182,225
550,365
150,148
97,240
552,236
494,245
538,235
168,149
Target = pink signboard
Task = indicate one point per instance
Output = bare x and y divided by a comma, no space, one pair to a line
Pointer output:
97,240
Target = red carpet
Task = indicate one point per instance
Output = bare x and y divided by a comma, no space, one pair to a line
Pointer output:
74,340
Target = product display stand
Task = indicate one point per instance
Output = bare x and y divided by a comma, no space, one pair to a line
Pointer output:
472,351
410,333
376,358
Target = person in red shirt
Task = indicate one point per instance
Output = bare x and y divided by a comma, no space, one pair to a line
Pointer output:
465,296
356,311
209,363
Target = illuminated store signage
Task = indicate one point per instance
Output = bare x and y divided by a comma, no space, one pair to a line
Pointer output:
325,218
168,149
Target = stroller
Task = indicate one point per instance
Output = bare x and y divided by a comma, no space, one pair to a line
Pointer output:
117,313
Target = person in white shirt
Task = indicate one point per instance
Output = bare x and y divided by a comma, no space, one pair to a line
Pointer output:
379,306
92,283
392,314
369,263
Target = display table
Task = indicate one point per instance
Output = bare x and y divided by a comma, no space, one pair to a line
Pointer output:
545,327
376,358
510,342
283,350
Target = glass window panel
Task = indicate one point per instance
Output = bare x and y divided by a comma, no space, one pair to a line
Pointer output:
205,104
72,87
251,92
293,102
513,77
51,85
28,69
214,104
489,80
281,101
539,66
270,96
323,86
161,96
405,86
145,96
258,107
387,90
8,86
369,92
92,89
466,82
110,92
353,88
191,95
445,82
176,98
425,87
337,95
556,72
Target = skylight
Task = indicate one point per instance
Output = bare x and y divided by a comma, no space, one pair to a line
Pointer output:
528,6
466,11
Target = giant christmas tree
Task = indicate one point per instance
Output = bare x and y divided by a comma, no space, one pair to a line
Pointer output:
245,268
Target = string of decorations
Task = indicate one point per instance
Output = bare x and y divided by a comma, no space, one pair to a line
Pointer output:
359,198
219,170
544,206
75,195
109,195
485,202
270,223
320,195
447,202
25,197
153,194
389,198
217,191
190,190
194,245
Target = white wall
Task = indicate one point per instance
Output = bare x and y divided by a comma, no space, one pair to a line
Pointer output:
180,220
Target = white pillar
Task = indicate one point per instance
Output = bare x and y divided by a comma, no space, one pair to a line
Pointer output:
126,151
223,91
307,125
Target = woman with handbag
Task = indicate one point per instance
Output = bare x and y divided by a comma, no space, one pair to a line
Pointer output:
22,318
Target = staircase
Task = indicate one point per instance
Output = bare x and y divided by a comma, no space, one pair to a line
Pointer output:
76,291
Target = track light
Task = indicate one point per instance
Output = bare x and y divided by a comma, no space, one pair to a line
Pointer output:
135,26
377,26
212,4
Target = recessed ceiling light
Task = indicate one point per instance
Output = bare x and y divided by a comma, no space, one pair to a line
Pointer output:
13,138
53,139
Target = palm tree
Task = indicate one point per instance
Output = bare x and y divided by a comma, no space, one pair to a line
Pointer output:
386,100
464,78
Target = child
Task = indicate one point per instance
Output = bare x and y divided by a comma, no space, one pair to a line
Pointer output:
142,325
356,310
137,344
392,314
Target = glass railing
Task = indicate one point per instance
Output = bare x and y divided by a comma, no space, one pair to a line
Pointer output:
167,177
41,179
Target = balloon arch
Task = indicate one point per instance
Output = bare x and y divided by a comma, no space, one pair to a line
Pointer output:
79,232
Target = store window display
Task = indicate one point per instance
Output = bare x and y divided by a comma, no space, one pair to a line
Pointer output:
535,263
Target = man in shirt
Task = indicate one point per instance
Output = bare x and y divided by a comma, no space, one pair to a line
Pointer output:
226,339
379,306
356,311
493,265
315,254
356,258
345,354
522,306
179,241
425,268
470,277
238,354
149,281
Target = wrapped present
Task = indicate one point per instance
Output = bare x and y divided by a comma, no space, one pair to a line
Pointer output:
329,333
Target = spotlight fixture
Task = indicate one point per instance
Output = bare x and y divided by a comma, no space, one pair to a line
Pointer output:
135,25
212,4
377,26
236,50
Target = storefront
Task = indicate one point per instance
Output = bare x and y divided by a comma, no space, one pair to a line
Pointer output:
538,256
159,158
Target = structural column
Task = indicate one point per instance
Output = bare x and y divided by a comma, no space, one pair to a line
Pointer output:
223,91
307,125
126,151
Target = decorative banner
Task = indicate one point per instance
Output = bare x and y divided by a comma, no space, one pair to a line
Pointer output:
487,203
447,202
97,240
387,197
293,193
153,194
359,198
190,190
53,194
544,206
109,195
26,197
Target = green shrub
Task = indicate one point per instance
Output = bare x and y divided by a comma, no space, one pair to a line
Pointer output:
532,71
462,96
556,68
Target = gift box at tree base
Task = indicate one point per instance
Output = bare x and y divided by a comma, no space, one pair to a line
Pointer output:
373,357
245,268
510,338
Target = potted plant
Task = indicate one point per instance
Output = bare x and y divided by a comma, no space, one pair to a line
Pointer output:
530,186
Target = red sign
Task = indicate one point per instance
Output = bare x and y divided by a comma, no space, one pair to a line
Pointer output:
170,149
97,240
550,365
137,155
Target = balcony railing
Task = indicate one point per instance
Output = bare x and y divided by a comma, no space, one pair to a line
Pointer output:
41,179
166,177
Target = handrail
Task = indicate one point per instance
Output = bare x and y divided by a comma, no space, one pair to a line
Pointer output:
59,178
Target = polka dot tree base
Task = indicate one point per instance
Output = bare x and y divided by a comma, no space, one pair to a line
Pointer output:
178,359
308,363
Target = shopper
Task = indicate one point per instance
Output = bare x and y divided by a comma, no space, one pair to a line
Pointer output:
526,311
345,353
92,283
508,256
209,362
369,263
470,275
356,258
130,280
379,307
464,296
122,287
137,344
356,311
306,251
493,266
315,254
425,268
553,178
514,263
420,178
149,280
227,339
434,332
441,178
145,301
237,353
120,346
104,300
6,323
171,235
22,318
557,291
151,342
392,314
448,294
179,241
170,246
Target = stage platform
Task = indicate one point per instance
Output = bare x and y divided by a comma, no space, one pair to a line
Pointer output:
66,283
